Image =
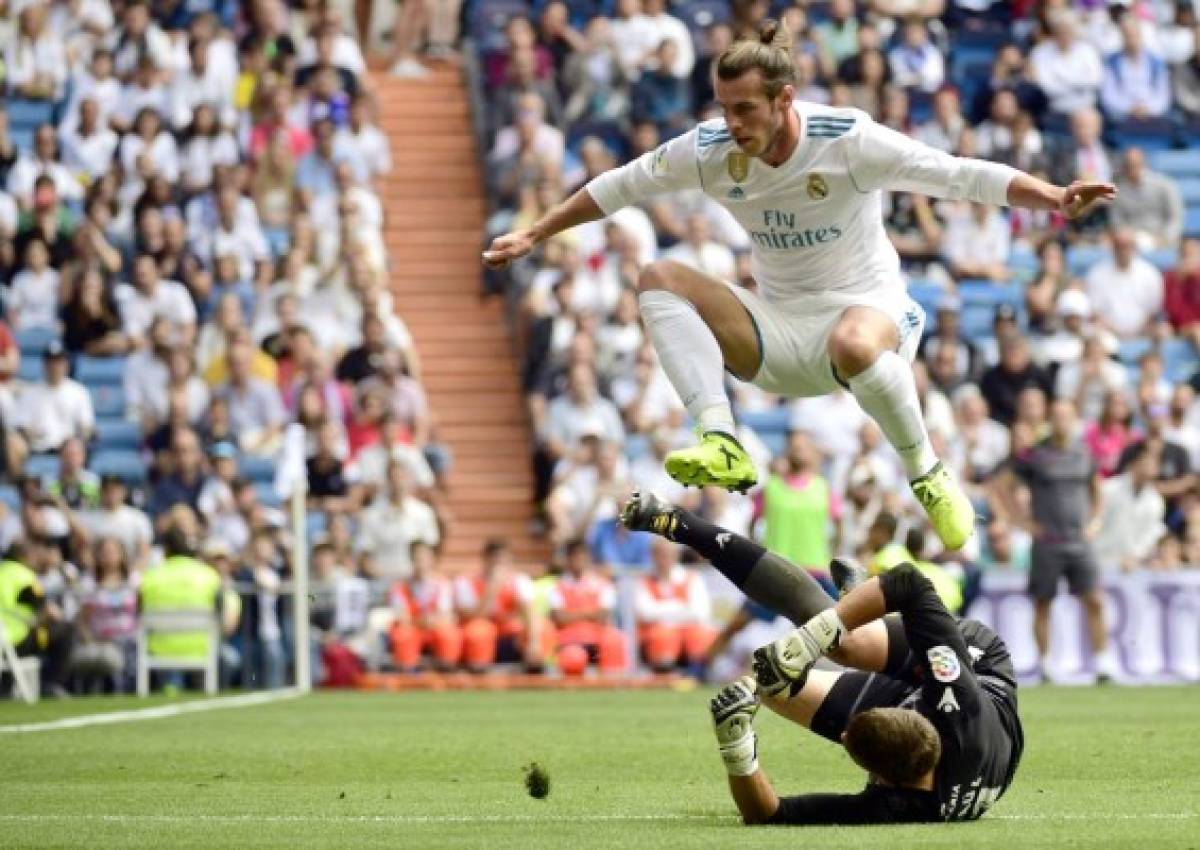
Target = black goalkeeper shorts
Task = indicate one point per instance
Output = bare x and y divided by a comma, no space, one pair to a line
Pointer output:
856,691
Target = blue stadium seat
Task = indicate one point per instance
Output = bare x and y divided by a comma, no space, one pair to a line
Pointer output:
10,497
1150,134
22,137
123,463
1080,258
108,400
42,466
267,495
257,469
637,446
925,293
1024,263
765,422
1131,350
609,132
1185,163
99,371
316,523
1179,359
33,341
112,433
985,293
776,442
976,320
1191,222
1189,190
30,370
1163,258
28,114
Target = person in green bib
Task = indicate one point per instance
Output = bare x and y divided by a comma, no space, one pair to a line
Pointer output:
800,509
885,553
32,625
180,582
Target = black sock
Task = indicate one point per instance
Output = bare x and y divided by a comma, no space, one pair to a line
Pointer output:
763,576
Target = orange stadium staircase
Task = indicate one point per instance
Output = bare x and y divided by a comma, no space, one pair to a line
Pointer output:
435,210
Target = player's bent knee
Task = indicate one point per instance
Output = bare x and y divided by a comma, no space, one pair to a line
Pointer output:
659,275
853,349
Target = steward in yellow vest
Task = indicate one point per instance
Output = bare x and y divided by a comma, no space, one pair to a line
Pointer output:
180,582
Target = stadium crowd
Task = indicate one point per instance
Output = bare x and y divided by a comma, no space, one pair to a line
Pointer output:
192,260
1076,338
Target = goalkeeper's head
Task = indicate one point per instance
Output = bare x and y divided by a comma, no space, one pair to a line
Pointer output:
897,746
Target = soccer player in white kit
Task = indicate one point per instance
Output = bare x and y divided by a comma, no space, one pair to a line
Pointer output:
806,183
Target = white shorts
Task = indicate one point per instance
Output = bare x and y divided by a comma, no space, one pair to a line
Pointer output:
795,361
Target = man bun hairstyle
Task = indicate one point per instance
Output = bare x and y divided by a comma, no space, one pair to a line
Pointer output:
897,745
770,54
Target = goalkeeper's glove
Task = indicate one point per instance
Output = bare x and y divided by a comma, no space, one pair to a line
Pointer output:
733,710
785,663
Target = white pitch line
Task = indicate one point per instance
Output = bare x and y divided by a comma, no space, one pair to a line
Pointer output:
510,819
158,712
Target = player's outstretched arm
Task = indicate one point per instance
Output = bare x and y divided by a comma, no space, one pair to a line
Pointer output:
1077,200
575,210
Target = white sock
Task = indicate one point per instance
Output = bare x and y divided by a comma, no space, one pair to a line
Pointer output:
690,356
887,391
741,756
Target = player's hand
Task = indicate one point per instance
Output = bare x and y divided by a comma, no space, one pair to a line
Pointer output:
1083,196
511,246
785,663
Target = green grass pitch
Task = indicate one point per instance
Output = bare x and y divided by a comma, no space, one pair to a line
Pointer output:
1102,768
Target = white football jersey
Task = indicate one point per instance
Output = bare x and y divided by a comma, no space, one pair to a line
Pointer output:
815,222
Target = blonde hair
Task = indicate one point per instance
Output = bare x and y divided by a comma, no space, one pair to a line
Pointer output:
770,54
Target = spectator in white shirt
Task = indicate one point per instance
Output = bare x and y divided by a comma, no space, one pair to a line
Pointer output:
976,243
1126,291
256,411
667,27
944,130
150,139
88,146
372,153
393,523
1067,69
634,35
1148,203
1137,83
237,233
1132,518
206,146
116,519
1089,380
33,298
148,297
579,411
699,251
97,83
201,82
138,37
981,443
50,413
44,160
145,91
916,62
35,60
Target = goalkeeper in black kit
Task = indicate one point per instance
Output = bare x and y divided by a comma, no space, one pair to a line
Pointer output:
927,705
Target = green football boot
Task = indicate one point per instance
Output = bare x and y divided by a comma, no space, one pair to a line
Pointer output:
719,460
950,511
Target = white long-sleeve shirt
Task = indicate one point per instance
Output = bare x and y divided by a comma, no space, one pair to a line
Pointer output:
815,222
1070,79
1133,522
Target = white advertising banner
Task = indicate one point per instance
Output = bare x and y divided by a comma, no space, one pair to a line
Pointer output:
1153,621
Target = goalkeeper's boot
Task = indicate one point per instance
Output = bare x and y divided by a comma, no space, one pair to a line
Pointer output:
847,574
646,512
719,460
733,710
949,510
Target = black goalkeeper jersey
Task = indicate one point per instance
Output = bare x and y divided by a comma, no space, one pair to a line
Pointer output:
963,681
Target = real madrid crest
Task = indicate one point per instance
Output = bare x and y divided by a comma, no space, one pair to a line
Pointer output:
817,188
738,164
